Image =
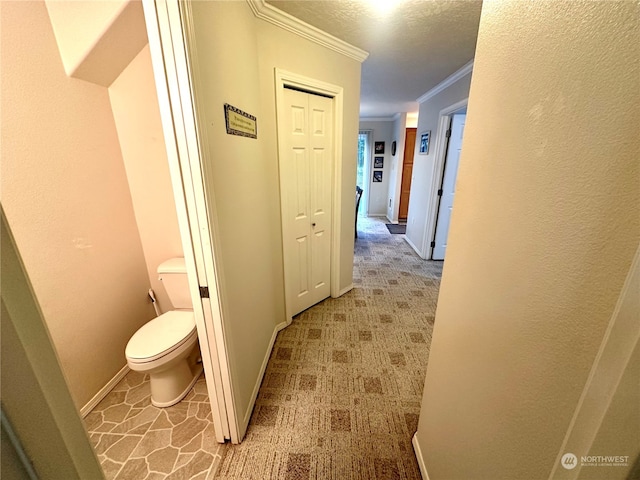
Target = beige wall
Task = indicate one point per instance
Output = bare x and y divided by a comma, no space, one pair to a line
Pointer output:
137,118
544,229
97,39
35,398
424,168
235,59
377,196
66,197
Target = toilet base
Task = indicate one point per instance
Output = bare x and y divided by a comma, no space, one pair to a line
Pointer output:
167,390
172,381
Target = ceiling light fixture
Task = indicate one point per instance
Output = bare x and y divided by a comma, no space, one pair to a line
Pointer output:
383,7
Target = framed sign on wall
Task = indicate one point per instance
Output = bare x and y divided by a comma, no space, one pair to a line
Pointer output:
424,142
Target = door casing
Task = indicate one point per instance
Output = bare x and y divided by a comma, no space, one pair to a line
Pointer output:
438,169
284,78
449,176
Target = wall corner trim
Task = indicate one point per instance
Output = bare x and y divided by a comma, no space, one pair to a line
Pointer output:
419,457
413,245
344,290
277,17
104,391
447,82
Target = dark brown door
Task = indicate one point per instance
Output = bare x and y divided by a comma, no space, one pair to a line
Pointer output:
407,170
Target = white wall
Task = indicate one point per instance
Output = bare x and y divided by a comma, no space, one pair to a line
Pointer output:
543,232
67,200
395,175
425,176
137,117
378,198
412,120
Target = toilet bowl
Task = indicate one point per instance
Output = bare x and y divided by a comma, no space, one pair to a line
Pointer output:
167,348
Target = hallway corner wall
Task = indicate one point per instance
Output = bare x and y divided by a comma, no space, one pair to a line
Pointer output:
543,233
242,192
424,166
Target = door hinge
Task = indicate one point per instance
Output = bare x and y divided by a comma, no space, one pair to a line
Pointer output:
433,244
204,292
440,192
448,134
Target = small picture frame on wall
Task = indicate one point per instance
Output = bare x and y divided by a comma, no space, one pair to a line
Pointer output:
378,147
377,176
393,147
424,142
378,162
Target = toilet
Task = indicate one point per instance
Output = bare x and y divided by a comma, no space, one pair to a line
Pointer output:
167,348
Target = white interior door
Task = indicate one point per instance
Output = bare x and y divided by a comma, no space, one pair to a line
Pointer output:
448,185
169,59
306,169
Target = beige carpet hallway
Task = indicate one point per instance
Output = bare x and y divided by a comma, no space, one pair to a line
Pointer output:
341,394
340,398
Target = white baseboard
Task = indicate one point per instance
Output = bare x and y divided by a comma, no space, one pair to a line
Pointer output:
418,452
395,222
414,247
344,290
377,215
104,391
263,368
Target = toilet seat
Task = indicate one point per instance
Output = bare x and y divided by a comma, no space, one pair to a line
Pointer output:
161,336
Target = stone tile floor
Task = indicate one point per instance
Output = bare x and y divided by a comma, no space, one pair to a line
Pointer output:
136,441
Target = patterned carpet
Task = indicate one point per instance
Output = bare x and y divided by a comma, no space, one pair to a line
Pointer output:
341,394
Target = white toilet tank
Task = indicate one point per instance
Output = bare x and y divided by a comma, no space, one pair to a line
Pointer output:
173,274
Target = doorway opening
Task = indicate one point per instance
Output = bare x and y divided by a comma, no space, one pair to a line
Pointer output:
407,172
364,167
446,192
448,145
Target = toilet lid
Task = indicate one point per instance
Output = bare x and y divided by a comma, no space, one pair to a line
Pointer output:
161,335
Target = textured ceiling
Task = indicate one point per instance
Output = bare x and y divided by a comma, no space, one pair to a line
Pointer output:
412,48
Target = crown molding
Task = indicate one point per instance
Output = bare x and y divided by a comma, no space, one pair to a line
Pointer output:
277,17
378,119
450,80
